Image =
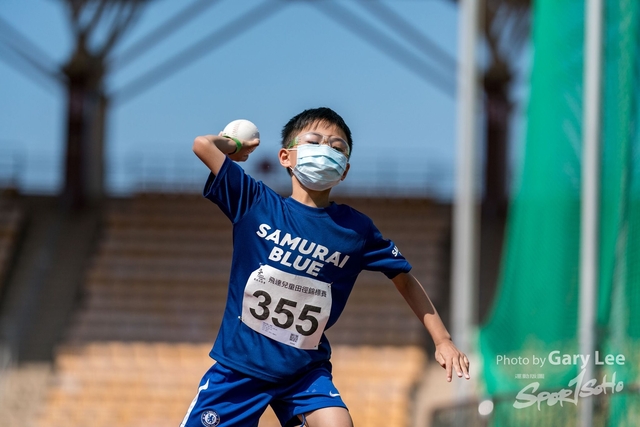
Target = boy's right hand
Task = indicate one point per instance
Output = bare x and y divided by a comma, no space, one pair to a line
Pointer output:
212,149
248,146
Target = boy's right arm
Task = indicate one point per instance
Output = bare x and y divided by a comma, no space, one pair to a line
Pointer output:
212,150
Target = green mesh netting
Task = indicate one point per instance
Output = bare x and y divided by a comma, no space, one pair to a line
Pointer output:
535,313
619,283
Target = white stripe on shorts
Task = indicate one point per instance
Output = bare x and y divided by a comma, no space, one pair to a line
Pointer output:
193,403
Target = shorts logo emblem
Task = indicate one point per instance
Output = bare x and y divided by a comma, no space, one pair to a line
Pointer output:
332,394
210,419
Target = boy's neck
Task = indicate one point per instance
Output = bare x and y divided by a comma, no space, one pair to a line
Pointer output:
314,199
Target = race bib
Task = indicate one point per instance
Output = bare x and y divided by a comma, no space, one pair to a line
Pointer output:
287,308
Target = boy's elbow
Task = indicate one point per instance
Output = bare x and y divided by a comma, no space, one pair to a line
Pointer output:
199,144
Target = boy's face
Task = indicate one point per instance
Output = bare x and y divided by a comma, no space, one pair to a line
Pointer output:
288,157
322,128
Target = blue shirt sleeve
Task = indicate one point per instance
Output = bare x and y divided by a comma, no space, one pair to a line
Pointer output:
382,255
233,190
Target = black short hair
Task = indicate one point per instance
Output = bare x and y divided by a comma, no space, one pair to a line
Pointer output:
311,116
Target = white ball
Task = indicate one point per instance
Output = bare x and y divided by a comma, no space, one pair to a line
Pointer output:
242,129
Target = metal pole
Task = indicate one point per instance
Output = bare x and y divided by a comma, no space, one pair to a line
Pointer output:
465,215
590,193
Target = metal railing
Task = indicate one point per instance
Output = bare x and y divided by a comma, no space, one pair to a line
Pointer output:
182,172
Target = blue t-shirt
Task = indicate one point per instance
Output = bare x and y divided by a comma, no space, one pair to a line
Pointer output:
292,271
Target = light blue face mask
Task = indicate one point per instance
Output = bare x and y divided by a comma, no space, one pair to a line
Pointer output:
319,167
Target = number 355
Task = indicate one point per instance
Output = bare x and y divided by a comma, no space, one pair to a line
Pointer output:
285,314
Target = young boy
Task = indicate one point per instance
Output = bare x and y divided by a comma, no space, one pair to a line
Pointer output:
295,261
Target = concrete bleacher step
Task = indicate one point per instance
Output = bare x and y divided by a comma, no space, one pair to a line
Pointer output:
154,293
22,392
116,384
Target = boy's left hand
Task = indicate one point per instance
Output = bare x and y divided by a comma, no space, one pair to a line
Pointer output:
449,357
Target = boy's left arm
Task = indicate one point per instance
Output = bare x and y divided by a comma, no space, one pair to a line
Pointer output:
447,355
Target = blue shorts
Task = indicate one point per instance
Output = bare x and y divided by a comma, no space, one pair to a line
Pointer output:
228,398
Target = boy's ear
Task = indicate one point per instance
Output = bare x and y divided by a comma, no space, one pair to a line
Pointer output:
346,171
284,156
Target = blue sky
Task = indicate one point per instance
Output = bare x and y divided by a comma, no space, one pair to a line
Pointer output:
403,126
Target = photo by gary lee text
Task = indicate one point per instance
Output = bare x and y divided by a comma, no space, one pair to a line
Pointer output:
557,358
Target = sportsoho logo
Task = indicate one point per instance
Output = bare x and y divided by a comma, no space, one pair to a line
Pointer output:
578,387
